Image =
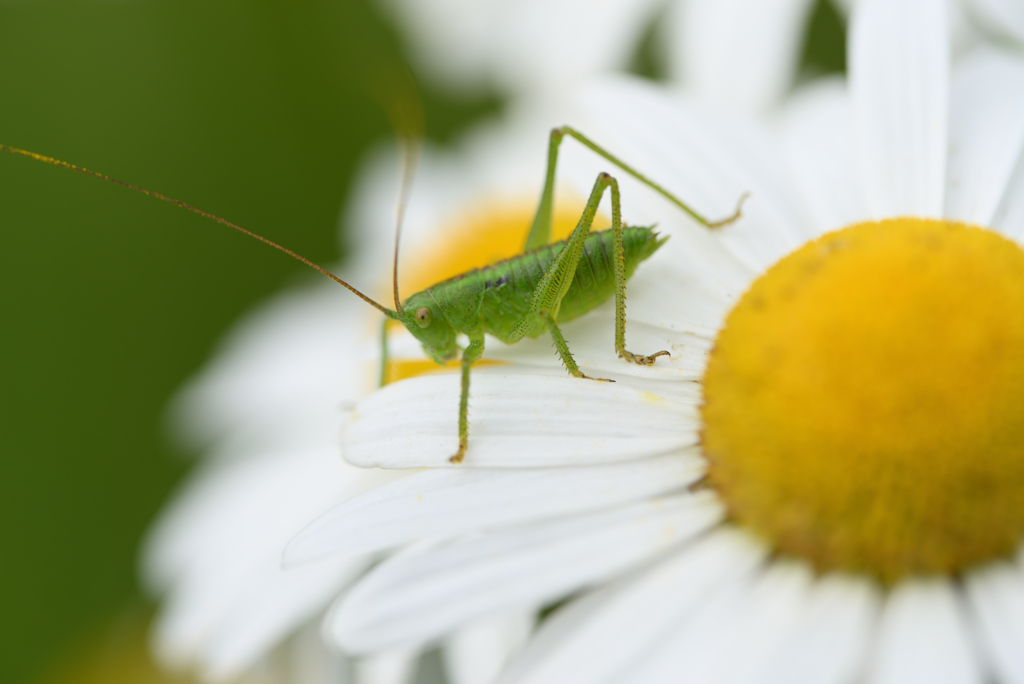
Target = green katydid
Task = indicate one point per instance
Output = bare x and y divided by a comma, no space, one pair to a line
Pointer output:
524,296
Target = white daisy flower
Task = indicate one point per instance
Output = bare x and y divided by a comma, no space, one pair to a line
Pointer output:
822,483
741,51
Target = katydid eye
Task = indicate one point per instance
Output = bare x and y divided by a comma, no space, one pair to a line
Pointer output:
423,317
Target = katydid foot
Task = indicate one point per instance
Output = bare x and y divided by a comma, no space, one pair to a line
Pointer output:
461,453
642,360
587,377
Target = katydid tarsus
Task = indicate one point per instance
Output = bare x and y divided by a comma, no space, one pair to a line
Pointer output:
525,296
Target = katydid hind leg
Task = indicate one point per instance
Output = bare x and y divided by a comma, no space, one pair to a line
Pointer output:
683,206
470,355
619,272
540,229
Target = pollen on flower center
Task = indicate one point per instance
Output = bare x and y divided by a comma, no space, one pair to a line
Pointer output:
864,403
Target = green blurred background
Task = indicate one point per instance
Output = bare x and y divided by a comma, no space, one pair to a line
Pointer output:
257,111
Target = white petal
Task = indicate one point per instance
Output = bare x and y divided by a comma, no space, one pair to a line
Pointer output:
1009,218
996,598
225,622
775,610
515,420
553,43
416,598
923,637
216,553
449,36
236,511
733,636
447,503
263,614
818,127
477,652
986,134
700,641
283,372
830,644
741,52
899,81
558,627
625,620
674,291
1002,16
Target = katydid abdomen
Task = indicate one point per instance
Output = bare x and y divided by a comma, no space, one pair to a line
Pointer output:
496,297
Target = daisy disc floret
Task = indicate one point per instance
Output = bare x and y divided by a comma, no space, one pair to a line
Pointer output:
864,403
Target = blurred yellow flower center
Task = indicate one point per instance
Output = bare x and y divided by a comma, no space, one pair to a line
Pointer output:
864,403
482,234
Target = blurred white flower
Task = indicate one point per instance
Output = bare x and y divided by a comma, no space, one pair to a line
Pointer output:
739,51
572,487
742,52
1005,18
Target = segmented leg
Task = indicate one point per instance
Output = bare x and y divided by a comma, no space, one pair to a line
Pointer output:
619,254
540,229
563,351
470,355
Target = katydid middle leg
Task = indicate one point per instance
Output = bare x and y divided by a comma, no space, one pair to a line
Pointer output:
563,350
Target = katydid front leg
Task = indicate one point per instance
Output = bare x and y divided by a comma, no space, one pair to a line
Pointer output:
470,355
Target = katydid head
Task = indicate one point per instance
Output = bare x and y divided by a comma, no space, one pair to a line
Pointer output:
422,317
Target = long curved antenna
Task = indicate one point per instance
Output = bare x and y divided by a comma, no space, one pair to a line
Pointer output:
395,91
410,152
183,205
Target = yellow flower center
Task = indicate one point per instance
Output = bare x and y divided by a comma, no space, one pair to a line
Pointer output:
482,234
864,403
